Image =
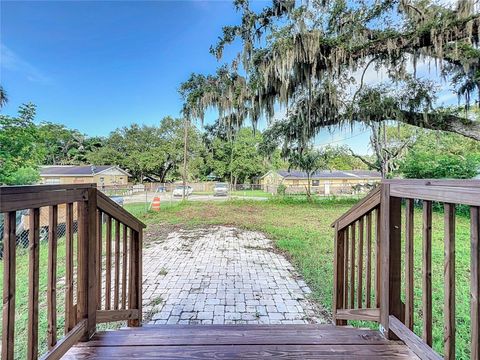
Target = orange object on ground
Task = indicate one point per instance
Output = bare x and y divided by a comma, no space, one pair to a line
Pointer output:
156,203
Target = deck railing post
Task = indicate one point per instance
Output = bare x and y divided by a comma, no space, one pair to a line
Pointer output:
87,262
339,268
390,249
135,283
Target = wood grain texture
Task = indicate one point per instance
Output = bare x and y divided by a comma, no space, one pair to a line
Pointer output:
241,342
352,266
116,315
52,277
378,257
361,233
359,314
395,269
367,204
33,282
29,200
409,262
415,343
91,262
69,257
108,262
135,291
110,207
67,342
338,268
467,195
427,273
449,282
393,351
124,266
475,282
99,258
345,263
368,284
9,272
116,286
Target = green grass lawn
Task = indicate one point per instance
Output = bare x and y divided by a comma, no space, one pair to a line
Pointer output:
302,230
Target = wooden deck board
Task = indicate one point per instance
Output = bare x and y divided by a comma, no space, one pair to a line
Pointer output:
240,342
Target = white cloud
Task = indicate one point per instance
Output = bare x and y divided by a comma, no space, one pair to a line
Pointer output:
10,61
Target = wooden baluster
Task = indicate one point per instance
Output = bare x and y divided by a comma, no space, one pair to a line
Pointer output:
108,263
391,304
475,282
33,282
360,263
352,268
378,258
338,268
99,259
69,309
9,273
369,261
124,267
52,276
135,291
345,272
140,277
87,262
449,272
409,252
116,288
427,272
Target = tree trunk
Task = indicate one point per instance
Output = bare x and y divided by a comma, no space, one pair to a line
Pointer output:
309,195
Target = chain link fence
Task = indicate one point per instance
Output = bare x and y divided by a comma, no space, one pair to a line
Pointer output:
22,226
170,193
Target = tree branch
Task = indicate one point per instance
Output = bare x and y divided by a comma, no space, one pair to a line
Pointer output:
365,161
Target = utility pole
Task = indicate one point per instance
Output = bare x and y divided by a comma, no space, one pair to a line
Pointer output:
185,153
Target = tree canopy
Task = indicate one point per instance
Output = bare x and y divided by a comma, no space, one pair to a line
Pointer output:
303,57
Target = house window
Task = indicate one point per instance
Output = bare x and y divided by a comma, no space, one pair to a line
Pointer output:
102,180
315,182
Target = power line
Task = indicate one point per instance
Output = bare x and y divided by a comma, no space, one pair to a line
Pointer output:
340,140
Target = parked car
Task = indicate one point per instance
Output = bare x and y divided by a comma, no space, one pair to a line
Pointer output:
220,189
179,190
162,189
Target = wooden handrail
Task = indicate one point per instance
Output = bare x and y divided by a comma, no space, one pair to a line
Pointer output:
82,205
364,206
114,210
395,317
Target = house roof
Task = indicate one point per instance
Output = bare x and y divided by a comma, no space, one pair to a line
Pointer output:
74,170
327,174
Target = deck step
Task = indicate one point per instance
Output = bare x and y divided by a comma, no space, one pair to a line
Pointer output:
240,342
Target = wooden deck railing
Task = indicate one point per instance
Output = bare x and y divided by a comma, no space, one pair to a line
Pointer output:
384,253
87,302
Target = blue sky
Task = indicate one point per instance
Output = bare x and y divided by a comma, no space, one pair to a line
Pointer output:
99,65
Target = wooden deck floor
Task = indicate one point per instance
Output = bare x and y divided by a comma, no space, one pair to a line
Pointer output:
240,342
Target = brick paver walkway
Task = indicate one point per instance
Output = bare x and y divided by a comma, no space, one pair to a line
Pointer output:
222,275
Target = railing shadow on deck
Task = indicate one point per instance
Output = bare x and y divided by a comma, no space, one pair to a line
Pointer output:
87,302
375,224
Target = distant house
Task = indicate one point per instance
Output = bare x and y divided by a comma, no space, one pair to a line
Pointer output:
326,182
104,175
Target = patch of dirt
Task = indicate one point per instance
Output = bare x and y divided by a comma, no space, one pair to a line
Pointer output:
158,233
